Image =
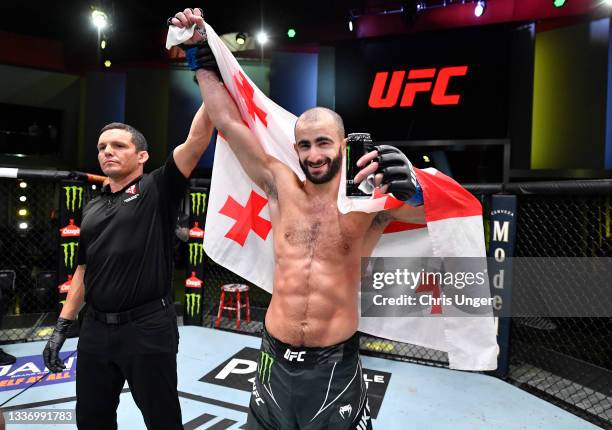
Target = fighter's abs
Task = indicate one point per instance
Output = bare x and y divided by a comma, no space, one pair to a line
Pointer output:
315,282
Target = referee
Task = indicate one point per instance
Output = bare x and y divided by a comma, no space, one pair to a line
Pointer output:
124,274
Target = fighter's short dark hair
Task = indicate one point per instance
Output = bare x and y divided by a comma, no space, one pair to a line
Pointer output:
138,139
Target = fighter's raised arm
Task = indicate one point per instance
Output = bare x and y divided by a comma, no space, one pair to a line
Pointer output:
221,108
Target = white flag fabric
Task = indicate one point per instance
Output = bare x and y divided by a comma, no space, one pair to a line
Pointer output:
238,229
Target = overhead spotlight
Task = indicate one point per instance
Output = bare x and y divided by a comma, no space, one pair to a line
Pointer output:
22,198
107,64
481,5
350,25
291,33
99,19
262,38
240,38
22,212
420,6
103,44
426,159
609,3
93,187
23,225
559,3
23,184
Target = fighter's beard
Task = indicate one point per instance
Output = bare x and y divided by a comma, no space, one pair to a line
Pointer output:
332,170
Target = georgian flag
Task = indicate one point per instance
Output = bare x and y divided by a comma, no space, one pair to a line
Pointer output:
239,231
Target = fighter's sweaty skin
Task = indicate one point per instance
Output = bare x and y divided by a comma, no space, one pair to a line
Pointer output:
318,256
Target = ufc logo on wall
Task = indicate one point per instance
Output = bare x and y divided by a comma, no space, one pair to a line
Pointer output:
419,81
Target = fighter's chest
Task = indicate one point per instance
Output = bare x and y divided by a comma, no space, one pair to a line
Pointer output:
321,229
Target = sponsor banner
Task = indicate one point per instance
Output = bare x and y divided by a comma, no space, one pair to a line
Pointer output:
501,247
193,303
197,198
30,369
239,371
71,230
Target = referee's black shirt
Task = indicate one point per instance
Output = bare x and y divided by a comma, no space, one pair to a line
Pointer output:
127,240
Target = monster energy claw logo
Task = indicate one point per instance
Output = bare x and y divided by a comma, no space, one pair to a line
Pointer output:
197,203
265,367
196,253
72,194
193,304
69,253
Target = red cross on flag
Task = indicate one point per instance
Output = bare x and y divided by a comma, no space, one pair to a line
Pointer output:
239,237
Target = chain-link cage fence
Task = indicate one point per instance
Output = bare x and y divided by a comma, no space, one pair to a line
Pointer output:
29,258
567,361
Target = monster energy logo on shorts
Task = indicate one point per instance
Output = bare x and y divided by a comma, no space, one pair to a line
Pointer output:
72,194
196,253
197,203
265,367
192,301
69,253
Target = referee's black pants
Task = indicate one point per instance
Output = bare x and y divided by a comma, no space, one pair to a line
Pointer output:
141,352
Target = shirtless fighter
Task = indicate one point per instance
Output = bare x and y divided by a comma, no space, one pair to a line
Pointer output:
309,372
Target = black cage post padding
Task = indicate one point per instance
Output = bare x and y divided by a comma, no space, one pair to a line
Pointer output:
197,199
72,194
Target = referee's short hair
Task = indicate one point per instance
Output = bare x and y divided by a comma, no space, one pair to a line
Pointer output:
138,139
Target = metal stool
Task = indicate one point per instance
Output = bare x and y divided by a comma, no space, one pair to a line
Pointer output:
233,302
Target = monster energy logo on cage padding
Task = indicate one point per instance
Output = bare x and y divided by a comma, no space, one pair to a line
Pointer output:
265,367
69,253
192,303
196,253
74,197
197,203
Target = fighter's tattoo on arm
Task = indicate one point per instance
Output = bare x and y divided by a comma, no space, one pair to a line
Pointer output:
380,220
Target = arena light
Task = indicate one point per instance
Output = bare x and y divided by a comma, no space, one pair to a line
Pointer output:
262,38
479,10
22,212
291,33
23,225
559,3
608,2
426,159
99,19
22,198
420,6
93,187
240,38
350,25
107,64
23,184
103,44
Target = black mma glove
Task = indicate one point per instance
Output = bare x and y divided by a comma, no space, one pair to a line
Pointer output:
399,174
51,351
200,56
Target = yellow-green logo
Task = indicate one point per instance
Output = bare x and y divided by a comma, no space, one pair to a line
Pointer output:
196,253
74,197
198,203
265,367
192,304
69,253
